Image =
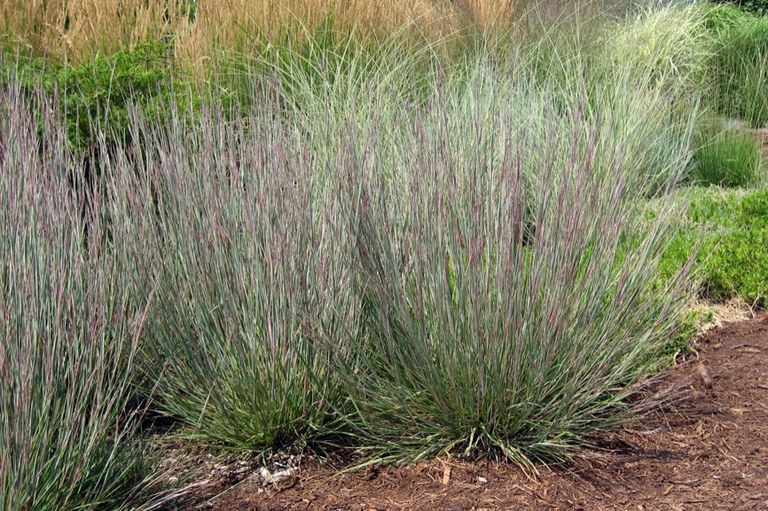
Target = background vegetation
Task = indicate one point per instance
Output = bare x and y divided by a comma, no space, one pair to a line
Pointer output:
408,229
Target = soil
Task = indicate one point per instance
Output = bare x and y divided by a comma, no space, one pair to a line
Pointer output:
707,451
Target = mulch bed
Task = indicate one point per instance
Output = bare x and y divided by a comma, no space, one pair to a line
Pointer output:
708,451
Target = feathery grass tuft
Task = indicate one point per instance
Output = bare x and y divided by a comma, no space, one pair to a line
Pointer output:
739,70
68,334
726,157
500,317
244,246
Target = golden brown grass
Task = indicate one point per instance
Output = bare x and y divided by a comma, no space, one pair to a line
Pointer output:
77,29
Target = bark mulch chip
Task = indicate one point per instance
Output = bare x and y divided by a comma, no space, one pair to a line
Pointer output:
708,451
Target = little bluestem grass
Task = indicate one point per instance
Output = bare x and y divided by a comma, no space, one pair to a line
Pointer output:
499,318
244,246
68,332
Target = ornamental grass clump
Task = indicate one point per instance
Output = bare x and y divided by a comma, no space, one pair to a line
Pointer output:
501,316
425,261
68,333
739,70
726,156
246,252
670,43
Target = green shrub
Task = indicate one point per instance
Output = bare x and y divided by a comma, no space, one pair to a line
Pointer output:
732,232
759,7
721,17
738,266
95,95
726,157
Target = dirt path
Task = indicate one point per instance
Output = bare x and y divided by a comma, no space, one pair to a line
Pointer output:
710,452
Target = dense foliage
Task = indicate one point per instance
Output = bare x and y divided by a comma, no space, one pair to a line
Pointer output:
754,6
69,332
731,230
462,234
96,96
726,156
739,65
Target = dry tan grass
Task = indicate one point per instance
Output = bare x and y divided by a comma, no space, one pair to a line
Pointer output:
732,311
76,29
